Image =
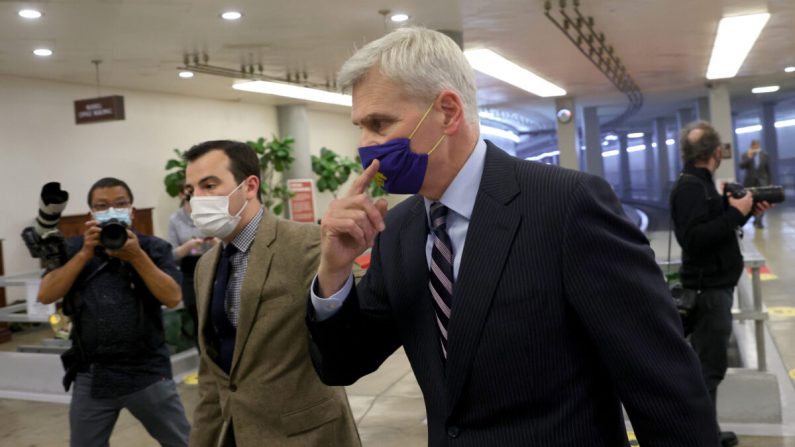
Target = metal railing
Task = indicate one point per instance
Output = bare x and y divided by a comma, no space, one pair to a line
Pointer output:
750,308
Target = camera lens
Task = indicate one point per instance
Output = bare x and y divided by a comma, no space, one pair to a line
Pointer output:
113,234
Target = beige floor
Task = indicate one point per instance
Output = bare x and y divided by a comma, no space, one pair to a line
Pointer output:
388,407
387,404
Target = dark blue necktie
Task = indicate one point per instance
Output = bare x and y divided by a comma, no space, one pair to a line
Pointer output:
223,328
441,283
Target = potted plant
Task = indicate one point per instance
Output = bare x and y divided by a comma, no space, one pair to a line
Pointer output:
333,170
176,178
275,156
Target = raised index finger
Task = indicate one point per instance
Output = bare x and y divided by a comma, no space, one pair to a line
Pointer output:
363,180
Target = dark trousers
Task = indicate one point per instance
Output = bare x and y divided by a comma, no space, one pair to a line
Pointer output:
157,406
710,337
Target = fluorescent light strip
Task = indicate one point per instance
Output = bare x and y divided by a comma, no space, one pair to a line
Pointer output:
612,153
670,141
784,123
637,148
501,133
611,138
544,155
766,89
294,91
492,64
734,40
748,129
635,135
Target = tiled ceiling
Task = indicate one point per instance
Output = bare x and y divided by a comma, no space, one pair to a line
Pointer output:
664,44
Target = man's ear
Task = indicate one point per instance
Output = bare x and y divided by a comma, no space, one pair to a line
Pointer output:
453,109
252,186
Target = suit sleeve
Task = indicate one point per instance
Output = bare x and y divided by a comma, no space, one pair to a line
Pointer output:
617,290
357,339
207,418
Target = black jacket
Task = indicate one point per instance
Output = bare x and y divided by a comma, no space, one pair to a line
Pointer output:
706,229
559,314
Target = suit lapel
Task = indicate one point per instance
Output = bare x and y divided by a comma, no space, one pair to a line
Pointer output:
491,232
259,261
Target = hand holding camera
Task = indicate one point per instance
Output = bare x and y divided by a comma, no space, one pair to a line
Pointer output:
761,198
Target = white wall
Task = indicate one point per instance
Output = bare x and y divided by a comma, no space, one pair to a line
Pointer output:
39,142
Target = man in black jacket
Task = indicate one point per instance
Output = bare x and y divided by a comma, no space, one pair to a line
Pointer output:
707,226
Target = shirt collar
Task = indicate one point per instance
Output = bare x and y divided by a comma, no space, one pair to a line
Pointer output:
245,238
460,195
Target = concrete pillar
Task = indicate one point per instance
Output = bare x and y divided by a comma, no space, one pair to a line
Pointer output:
651,173
294,122
703,109
623,163
567,135
767,116
663,173
593,142
683,118
721,118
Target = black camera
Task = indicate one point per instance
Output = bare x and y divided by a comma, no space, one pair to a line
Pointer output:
770,194
113,234
43,239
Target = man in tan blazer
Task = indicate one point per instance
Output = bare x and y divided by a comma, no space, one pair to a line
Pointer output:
257,385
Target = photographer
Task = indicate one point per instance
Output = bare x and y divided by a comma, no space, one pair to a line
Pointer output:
119,358
706,226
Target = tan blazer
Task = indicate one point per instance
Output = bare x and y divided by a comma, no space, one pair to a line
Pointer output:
272,393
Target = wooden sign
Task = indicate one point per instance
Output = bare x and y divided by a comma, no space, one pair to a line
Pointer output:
107,108
302,204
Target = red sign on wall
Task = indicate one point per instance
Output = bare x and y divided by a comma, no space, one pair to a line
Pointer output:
302,204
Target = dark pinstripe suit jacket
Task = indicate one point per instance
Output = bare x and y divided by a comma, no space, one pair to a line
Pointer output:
559,314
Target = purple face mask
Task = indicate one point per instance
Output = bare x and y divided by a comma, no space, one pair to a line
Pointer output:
401,171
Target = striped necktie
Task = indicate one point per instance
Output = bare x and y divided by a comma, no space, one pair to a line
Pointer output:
441,283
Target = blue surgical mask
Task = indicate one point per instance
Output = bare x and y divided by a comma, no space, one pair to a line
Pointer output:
120,214
401,171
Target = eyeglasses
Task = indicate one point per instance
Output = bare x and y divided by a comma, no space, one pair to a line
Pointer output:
104,206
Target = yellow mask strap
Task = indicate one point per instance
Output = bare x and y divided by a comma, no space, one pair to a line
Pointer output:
425,115
421,120
437,144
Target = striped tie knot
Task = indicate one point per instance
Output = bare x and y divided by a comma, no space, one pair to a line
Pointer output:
438,216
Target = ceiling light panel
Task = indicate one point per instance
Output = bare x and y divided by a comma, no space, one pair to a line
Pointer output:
231,15
294,91
766,89
30,14
492,64
734,40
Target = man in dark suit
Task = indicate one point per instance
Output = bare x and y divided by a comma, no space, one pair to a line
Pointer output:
756,164
529,306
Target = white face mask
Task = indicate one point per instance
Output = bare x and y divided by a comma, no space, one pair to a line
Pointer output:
211,215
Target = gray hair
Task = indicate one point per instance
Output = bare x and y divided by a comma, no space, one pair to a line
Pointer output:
701,149
424,62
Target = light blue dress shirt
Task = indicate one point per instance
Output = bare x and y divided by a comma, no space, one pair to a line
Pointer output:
459,198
